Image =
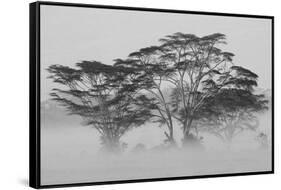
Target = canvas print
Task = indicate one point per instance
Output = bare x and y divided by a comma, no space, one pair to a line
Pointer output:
131,95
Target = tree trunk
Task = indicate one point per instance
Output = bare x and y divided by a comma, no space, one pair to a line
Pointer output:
170,137
186,129
111,145
190,140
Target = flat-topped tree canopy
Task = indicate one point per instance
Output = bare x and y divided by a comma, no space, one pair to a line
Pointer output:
103,96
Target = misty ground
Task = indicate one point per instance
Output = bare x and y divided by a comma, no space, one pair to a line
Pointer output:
71,155
70,152
151,165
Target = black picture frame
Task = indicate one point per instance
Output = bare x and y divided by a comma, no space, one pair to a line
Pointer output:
34,115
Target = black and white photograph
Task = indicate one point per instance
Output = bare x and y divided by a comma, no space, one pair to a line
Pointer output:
137,95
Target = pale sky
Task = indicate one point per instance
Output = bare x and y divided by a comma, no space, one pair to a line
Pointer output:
72,34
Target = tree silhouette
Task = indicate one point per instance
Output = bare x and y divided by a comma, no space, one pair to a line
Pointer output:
150,76
197,62
103,96
232,109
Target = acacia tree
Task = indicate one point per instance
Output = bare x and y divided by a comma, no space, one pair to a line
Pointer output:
195,60
103,96
232,112
194,67
232,109
151,75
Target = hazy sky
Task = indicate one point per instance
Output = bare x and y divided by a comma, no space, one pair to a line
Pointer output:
72,34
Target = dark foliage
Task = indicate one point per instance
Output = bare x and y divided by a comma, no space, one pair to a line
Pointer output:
103,96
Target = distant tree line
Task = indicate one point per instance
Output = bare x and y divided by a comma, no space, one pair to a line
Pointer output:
186,81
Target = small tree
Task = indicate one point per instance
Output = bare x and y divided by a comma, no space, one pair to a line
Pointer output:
262,139
103,96
232,109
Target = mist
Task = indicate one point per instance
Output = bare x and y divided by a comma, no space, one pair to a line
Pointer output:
71,153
